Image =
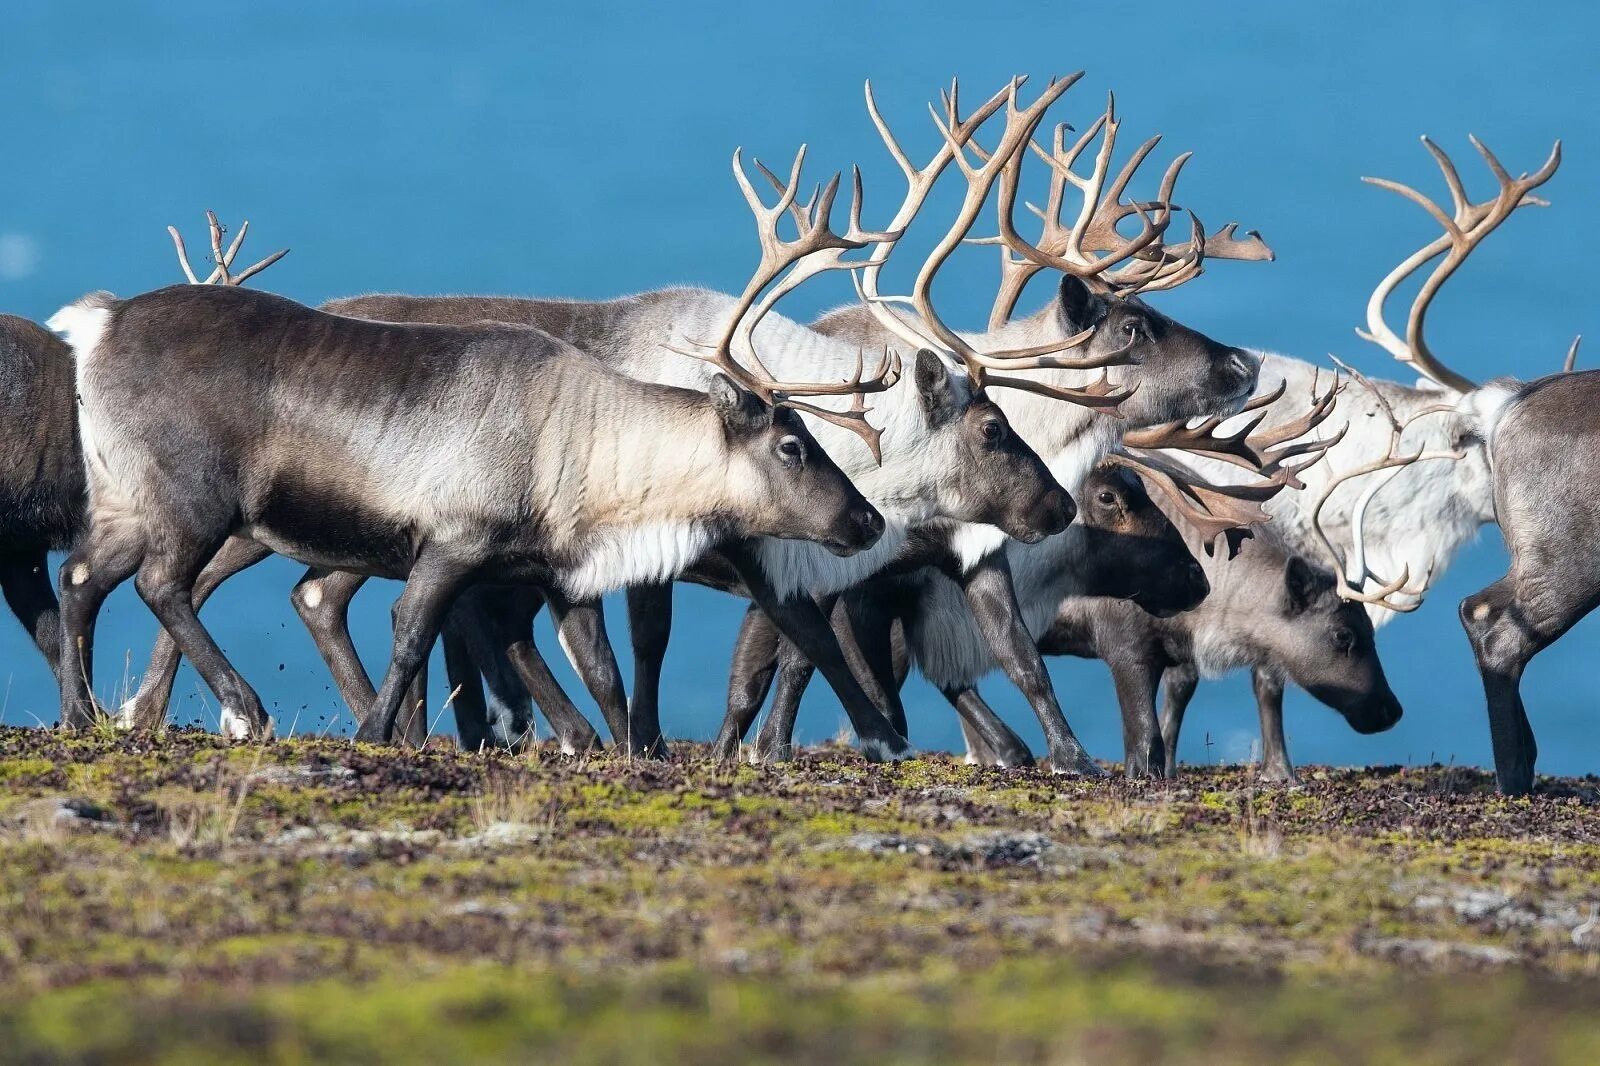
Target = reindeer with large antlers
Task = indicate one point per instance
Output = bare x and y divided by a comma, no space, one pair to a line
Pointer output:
1122,364
1533,436
303,452
1401,518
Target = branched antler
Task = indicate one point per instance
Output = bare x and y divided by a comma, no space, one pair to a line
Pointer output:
222,258
1091,246
1215,508
982,168
784,265
1353,570
1467,225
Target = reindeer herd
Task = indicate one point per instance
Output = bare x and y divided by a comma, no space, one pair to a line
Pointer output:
1091,479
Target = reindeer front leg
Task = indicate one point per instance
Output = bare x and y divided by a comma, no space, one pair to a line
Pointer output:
437,578
993,601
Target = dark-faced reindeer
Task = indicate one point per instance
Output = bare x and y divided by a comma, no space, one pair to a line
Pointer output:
314,450
1004,594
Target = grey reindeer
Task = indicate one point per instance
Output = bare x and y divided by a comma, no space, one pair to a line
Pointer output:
1413,517
324,461
1535,435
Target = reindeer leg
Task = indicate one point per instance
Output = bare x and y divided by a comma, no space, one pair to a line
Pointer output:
1275,765
322,600
147,709
649,626
775,742
581,628
993,602
25,577
1509,623
109,554
436,579
412,727
474,624
990,742
166,583
515,611
1181,681
1136,679
755,661
799,619
466,688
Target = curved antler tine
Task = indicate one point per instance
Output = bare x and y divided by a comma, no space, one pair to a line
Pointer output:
853,419
1422,201
1452,179
183,255
1099,394
1572,355
220,271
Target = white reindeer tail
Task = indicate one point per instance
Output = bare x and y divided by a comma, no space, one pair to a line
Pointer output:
1488,405
83,322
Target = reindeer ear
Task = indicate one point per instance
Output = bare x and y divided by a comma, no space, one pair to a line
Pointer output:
1303,585
1080,306
935,389
738,408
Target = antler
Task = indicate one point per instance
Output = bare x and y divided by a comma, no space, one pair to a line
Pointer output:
1469,224
1353,571
1213,508
784,265
927,328
222,258
1091,246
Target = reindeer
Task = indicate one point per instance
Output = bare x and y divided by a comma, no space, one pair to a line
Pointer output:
550,486
1532,435
1412,516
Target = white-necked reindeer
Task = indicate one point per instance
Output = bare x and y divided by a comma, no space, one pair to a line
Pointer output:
311,448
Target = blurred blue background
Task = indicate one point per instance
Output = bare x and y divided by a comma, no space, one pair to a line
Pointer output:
582,150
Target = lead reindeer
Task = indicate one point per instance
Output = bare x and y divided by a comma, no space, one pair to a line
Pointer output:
307,456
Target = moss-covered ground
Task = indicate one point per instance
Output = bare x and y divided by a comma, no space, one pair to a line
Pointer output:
181,899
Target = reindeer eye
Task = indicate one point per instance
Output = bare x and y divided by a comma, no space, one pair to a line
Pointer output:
1130,330
992,430
1107,497
790,450
1344,639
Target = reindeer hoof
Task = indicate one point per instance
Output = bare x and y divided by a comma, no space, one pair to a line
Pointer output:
1075,764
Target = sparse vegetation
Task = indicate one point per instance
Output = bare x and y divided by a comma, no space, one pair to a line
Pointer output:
177,897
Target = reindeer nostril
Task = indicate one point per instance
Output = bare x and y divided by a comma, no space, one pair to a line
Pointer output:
872,522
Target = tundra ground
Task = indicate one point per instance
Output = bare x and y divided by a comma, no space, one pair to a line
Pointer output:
181,899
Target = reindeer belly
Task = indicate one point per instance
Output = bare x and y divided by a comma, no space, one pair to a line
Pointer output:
322,524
